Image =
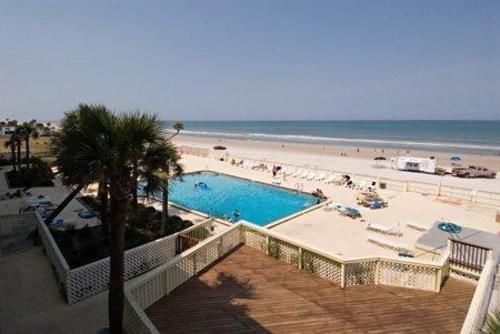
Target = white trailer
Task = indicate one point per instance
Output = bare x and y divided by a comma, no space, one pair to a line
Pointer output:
413,164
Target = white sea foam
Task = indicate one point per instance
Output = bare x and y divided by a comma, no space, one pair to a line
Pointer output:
320,139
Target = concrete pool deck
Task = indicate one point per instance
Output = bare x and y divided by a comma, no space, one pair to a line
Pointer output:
332,233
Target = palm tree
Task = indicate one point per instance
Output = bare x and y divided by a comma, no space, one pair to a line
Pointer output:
11,143
492,323
98,142
161,163
178,126
17,138
26,132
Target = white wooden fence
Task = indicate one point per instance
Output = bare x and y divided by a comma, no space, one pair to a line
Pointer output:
159,282
154,285
90,279
478,308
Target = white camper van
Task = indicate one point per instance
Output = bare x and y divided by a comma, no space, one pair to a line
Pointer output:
413,164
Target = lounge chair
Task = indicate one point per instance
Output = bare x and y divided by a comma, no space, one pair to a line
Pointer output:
329,179
350,212
417,227
311,176
304,174
392,229
333,206
320,177
395,245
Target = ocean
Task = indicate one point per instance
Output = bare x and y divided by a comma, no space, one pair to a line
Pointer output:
479,137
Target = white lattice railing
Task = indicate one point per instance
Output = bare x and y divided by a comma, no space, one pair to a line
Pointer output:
85,281
159,282
409,273
52,251
478,308
18,223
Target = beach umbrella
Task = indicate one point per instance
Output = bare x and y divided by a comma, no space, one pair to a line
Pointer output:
455,158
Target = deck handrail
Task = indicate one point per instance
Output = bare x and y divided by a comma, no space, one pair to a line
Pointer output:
478,308
381,270
423,262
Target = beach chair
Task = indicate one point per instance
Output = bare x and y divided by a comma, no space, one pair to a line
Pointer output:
333,206
311,176
350,212
304,174
276,181
394,245
329,179
417,226
392,229
320,177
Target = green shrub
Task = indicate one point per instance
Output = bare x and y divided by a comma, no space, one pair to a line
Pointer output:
39,175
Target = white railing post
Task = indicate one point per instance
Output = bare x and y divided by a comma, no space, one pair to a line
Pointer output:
194,263
219,248
438,280
300,258
267,244
377,268
342,275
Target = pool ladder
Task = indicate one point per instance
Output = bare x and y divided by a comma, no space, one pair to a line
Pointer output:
299,186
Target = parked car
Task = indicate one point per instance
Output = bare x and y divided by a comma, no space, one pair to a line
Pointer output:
474,171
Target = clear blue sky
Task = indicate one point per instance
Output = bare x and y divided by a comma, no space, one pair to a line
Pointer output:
252,59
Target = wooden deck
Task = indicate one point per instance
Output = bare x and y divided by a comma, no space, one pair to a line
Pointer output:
249,292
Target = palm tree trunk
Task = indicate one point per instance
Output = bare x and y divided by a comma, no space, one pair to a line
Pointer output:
164,209
119,205
135,175
27,152
13,157
103,210
19,159
63,204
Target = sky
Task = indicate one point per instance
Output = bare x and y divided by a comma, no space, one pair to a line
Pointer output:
252,60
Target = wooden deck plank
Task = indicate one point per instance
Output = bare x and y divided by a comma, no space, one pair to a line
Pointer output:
249,292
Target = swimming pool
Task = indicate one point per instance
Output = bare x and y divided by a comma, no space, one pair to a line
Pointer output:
225,196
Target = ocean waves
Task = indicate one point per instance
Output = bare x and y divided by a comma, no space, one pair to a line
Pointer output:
375,142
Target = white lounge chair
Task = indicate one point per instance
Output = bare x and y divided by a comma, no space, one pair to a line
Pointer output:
417,226
304,174
392,229
311,176
395,245
333,206
329,179
320,177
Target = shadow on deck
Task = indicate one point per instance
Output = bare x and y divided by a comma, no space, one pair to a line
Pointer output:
249,292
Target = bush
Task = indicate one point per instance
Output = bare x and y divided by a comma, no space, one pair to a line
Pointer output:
39,175
86,245
82,246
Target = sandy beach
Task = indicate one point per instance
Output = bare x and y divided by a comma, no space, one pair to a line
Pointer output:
348,159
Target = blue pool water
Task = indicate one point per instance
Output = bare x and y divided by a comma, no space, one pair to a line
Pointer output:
256,202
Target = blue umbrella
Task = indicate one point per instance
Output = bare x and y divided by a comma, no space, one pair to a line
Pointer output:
455,158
